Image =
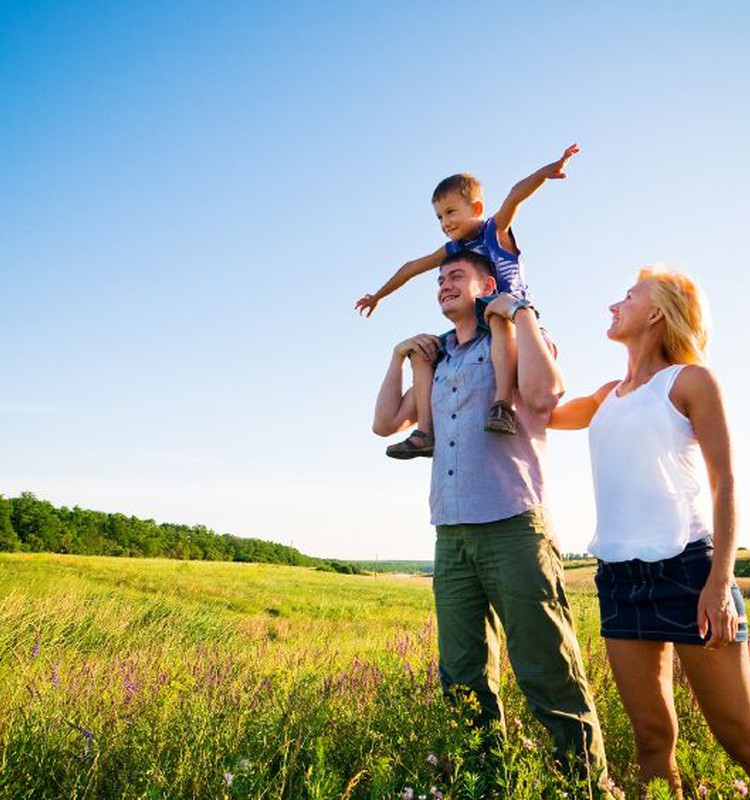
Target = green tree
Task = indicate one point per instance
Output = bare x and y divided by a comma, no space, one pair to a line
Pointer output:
9,540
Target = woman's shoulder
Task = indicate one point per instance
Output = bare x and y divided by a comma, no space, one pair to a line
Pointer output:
694,381
694,376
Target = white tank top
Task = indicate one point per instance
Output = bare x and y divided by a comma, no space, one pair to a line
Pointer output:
647,467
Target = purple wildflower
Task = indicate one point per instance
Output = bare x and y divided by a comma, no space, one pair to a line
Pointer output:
527,743
403,643
55,678
740,786
702,790
228,778
432,759
408,793
35,648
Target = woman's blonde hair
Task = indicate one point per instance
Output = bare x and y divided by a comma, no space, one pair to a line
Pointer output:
685,315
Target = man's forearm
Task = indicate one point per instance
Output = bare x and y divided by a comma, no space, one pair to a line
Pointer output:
390,399
540,382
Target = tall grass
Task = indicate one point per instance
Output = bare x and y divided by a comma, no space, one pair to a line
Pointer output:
160,679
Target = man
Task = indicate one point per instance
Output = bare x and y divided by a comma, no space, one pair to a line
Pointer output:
495,560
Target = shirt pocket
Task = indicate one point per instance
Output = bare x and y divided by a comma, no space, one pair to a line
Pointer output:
479,373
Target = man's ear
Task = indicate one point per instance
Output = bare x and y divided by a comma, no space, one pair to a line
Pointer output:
490,284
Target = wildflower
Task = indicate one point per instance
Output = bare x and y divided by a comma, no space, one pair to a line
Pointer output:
517,722
55,677
527,743
422,797
702,790
436,793
244,763
35,648
228,778
408,793
432,759
740,786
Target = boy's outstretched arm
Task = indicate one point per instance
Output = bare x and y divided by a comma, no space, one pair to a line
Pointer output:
369,302
526,187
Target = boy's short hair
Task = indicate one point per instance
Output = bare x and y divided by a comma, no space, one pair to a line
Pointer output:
481,264
466,185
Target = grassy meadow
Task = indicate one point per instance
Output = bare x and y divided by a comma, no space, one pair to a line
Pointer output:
135,678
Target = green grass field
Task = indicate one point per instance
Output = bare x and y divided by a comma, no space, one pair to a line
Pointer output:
123,678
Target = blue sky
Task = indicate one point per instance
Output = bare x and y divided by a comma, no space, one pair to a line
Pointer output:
195,195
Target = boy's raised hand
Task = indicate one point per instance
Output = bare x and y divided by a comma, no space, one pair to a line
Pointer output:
366,304
556,168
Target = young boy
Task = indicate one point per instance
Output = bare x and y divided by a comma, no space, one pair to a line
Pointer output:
459,205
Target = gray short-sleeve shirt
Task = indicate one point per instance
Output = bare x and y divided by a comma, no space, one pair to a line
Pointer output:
478,476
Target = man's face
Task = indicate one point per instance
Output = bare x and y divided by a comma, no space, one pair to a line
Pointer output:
458,217
459,285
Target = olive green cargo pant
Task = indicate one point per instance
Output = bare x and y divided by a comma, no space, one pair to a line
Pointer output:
510,572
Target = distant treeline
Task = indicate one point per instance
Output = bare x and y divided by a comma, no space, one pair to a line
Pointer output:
406,567
36,526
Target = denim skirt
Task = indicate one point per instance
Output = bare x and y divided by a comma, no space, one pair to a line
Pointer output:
658,600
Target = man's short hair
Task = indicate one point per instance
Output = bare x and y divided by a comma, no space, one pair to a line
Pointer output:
481,264
466,185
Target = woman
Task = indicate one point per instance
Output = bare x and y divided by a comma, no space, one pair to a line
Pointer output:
665,576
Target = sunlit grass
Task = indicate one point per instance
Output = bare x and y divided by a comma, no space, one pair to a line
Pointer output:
124,678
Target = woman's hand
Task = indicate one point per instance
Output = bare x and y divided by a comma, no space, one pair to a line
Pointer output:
716,607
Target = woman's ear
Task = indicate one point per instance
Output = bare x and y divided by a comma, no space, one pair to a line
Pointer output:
654,316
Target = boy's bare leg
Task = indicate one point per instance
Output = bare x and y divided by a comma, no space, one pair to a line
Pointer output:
422,374
504,357
420,441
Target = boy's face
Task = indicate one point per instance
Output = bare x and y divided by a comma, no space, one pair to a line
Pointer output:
458,217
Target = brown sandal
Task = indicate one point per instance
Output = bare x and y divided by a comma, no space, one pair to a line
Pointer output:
418,443
502,419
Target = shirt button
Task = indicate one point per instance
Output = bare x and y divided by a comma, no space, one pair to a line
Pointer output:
481,358
450,472
452,444
455,389
453,416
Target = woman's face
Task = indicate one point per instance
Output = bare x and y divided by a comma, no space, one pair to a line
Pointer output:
630,315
